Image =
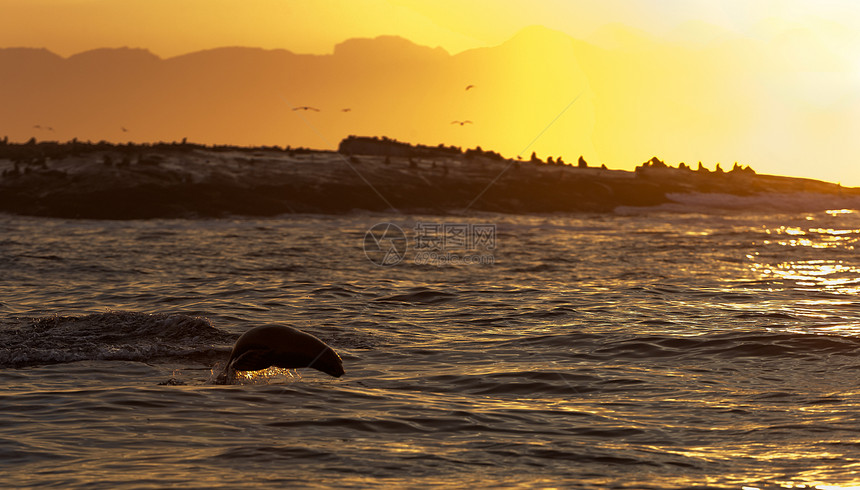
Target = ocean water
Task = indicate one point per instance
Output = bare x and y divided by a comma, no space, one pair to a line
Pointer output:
643,349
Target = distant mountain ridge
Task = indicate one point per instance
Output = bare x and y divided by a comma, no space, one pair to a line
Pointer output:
616,98
238,95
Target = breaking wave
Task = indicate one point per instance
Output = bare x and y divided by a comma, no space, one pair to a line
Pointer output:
111,336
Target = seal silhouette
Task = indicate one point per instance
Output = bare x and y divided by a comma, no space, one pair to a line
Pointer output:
283,347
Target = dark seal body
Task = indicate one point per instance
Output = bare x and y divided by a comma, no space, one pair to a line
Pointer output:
283,347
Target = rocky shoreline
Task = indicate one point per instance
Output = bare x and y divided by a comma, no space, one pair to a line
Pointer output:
181,180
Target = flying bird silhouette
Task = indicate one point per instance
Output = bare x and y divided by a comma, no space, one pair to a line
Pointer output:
306,108
461,122
347,109
469,87
123,129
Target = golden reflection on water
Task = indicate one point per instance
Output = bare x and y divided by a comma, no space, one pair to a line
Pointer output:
812,479
263,376
812,237
824,274
821,274
815,236
266,376
827,274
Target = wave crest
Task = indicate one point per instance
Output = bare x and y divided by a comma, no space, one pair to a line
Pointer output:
127,336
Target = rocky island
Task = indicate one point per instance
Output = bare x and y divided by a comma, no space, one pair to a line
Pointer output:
175,180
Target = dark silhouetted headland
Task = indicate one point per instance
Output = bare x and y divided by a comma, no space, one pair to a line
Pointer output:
170,180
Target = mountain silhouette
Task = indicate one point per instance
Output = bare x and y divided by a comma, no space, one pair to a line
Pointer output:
614,98
244,96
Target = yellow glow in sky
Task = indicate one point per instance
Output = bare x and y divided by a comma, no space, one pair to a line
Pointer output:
770,83
172,27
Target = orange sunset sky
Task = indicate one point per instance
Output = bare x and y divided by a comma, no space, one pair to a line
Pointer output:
773,84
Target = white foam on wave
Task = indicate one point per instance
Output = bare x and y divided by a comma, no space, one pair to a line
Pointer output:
791,202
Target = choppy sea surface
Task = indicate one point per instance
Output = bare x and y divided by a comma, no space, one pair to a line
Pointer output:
644,349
